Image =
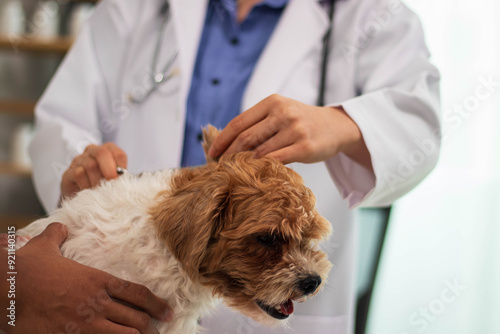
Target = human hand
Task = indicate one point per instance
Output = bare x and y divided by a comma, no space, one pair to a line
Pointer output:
291,131
20,240
55,294
97,162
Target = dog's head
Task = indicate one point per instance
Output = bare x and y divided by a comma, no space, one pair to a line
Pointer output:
248,228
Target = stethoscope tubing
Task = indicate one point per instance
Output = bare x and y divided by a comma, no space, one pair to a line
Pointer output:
159,77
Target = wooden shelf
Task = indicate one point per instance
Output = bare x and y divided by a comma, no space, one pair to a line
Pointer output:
11,169
29,43
18,108
19,221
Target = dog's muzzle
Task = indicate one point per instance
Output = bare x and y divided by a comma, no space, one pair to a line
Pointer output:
280,312
309,284
306,286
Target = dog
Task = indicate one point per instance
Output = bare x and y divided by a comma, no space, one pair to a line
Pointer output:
241,229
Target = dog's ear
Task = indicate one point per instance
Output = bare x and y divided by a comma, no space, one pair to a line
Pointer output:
321,228
209,134
191,214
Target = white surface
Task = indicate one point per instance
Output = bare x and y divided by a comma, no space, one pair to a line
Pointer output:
434,241
447,231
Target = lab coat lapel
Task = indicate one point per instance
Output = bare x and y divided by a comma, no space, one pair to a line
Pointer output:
301,27
189,18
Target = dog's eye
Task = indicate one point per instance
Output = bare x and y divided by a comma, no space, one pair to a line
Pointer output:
266,240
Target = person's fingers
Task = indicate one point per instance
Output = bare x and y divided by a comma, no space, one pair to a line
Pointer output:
75,178
105,326
286,154
68,185
105,161
93,171
55,234
119,155
256,135
280,140
89,168
129,317
139,296
4,240
78,175
20,239
237,126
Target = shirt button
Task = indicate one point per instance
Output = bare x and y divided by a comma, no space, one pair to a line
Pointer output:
235,41
200,136
215,82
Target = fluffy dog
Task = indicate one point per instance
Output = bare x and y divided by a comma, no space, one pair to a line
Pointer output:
241,229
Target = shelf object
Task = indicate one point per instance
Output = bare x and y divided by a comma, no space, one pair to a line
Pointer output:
18,108
29,43
19,221
38,46
10,169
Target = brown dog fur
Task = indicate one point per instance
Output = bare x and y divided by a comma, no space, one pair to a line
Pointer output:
212,217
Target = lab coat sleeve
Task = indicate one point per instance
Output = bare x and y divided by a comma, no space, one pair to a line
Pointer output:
397,110
66,116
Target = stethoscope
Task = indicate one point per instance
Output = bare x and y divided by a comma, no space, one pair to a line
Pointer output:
159,77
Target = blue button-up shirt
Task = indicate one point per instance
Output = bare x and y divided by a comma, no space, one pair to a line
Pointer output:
227,55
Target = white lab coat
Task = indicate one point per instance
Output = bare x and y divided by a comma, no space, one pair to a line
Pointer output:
378,52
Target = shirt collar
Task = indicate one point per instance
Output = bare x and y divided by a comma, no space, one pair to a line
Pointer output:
230,5
274,3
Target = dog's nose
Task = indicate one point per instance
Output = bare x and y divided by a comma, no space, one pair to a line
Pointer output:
309,284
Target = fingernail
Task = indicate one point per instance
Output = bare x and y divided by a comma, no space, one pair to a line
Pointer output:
168,315
211,152
23,238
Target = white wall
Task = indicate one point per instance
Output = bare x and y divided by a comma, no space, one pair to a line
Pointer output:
440,272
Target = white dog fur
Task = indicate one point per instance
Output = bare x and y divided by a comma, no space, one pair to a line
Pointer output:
111,228
113,233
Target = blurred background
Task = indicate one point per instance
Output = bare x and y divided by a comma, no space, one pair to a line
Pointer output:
34,36
431,263
439,271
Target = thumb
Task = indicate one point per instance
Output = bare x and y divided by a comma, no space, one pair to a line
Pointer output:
55,234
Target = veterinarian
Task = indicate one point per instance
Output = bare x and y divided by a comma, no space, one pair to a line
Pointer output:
144,76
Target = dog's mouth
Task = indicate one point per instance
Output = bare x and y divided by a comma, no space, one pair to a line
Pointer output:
281,311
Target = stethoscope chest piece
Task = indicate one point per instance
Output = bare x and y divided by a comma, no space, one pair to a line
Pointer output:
158,78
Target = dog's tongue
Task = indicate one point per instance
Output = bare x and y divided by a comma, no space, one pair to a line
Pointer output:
287,308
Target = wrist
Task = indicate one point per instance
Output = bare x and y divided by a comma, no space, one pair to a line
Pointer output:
359,153
353,145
